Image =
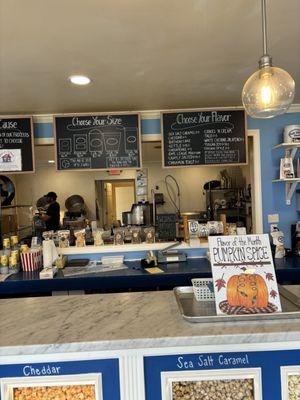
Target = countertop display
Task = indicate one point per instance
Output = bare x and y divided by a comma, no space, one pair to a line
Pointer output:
120,321
129,247
136,346
175,274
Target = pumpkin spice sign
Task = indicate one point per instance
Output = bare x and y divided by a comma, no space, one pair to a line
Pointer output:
244,275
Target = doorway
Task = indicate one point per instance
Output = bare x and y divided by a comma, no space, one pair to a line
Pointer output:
255,176
112,199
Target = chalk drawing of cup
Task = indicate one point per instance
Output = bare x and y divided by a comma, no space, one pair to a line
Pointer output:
80,142
65,145
112,141
131,138
95,141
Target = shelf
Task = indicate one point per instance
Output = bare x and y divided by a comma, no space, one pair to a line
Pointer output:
290,183
291,180
21,206
125,248
290,187
289,147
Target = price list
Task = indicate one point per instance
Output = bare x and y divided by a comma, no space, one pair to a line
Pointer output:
204,138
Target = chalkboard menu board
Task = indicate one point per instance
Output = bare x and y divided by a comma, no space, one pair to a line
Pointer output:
98,141
203,138
16,144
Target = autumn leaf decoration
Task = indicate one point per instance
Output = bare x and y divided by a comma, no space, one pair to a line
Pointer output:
220,283
273,294
269,276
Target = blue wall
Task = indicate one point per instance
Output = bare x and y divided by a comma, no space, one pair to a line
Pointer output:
273,194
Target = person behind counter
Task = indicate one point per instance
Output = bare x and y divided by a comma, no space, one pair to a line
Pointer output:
52,216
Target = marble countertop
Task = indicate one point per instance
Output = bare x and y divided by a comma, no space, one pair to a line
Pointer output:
121,321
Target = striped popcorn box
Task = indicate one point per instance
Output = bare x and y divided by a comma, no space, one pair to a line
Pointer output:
31,260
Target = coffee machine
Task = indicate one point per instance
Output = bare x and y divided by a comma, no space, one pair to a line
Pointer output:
141,214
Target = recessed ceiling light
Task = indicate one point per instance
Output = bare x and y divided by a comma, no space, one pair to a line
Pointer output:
80,79
51,161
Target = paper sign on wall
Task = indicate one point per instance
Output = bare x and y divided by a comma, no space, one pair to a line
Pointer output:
10,160
244,275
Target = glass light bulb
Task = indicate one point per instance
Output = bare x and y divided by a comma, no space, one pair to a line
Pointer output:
268,92
266,95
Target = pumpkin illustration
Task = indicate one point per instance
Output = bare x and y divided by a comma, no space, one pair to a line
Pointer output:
247,290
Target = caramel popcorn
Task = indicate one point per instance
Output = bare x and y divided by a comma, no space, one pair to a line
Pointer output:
231,389
74,392
294,387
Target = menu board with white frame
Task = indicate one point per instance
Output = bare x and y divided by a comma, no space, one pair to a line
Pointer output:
244,275
16,144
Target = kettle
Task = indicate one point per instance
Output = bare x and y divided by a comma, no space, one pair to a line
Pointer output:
142,213
137,214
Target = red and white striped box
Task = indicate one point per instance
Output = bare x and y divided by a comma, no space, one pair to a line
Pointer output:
32,260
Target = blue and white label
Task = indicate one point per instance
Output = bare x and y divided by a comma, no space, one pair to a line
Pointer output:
263,367
101,375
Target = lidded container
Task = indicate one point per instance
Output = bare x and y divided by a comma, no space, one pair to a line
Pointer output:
291,134
4,264
6,247
14,241
14,264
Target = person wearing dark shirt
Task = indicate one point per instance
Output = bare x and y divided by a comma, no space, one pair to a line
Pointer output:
52,215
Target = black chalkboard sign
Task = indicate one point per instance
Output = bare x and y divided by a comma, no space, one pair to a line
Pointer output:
98,141
204,138
16,144
166,226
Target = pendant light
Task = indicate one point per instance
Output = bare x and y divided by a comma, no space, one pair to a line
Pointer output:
270,90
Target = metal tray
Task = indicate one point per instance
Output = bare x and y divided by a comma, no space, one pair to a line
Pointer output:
205,311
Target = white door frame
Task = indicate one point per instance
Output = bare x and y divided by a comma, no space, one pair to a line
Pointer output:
256,195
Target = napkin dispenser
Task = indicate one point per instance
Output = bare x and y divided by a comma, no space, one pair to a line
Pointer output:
169,255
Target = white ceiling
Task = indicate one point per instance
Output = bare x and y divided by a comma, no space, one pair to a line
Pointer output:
140,54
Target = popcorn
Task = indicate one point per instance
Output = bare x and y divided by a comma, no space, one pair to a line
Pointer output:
233,389
74,392
294,387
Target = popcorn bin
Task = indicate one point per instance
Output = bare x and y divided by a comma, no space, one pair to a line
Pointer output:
212,384
68,387
290,382
32,260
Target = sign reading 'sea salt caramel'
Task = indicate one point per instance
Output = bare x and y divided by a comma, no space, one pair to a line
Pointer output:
98,141
244,275
16,144
192,138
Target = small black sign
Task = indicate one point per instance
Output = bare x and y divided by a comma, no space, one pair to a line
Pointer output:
16,144
204,138
98,141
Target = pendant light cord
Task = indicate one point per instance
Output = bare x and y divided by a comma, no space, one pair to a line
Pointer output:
264,26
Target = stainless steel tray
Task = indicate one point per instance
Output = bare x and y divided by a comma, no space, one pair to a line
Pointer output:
205,311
